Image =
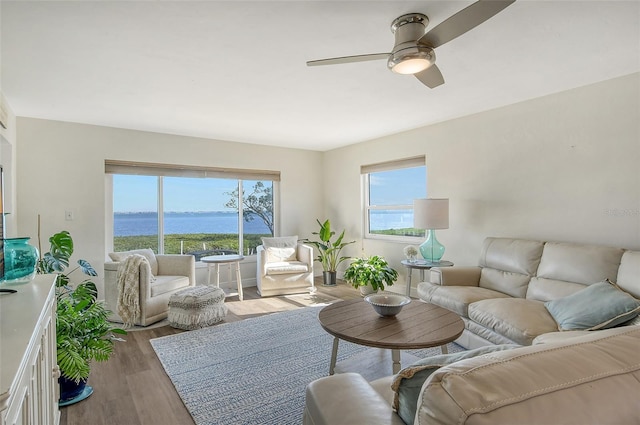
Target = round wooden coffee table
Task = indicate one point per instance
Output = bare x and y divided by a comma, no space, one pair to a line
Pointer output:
418,325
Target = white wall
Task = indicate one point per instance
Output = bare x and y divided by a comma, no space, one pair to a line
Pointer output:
7,160
61,167
562,167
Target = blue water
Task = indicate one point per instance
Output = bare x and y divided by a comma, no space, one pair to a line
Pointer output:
136,224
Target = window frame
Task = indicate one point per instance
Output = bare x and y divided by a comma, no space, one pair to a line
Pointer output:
168,170
366,171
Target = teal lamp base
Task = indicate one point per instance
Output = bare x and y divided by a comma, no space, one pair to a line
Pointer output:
431,249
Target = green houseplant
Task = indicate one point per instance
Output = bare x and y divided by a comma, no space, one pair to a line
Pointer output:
329,251
83,333
373,271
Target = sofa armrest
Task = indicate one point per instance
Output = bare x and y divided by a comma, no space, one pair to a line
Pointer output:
305,255
111,283
346,399
111,266
177,265
261,260
456,276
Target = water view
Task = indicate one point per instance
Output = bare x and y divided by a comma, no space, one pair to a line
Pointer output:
212,222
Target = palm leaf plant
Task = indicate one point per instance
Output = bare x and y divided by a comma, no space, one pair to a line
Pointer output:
83,333
328,250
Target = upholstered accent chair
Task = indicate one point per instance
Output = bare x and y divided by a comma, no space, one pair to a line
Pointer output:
284,266
166,275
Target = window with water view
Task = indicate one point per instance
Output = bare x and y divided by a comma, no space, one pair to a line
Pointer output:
199,216
389,195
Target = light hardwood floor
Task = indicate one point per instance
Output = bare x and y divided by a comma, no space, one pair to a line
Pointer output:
132,387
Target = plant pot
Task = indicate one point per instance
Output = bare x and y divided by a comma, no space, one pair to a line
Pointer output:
329,278
70,389
366,290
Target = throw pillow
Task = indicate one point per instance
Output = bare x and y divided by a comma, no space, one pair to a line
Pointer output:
409,381
599,306
278,255
280,242
147,253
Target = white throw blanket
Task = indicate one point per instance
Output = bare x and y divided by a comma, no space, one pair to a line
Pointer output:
128,305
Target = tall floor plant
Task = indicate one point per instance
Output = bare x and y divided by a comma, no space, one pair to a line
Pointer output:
83,333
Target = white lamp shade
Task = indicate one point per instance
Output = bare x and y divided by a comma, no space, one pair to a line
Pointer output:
431,213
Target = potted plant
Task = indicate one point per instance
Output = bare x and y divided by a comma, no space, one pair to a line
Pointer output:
329,251
370,272
83,332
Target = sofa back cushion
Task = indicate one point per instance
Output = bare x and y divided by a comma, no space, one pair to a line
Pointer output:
566,267
535,383
146,253
508,264
629,273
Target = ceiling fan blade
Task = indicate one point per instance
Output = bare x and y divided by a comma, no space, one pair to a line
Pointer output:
431,77
349,59
468,18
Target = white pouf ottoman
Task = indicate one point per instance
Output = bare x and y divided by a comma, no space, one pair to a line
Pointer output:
197,307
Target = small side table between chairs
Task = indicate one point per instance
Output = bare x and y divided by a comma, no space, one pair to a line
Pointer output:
216,260
421,265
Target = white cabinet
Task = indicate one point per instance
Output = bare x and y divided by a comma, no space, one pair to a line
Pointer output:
28,369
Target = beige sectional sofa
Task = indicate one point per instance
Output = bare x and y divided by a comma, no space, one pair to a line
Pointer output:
544,376
502,300
590,379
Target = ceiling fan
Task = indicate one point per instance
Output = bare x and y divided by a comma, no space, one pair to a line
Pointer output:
413,49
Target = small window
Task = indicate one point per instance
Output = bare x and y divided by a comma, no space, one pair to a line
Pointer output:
389,191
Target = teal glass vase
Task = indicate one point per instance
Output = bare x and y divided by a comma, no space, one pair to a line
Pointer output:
431,249
20,260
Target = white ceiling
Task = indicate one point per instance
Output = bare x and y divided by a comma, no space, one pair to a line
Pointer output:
235,70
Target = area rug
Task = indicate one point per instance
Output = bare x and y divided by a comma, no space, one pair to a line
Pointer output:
253,371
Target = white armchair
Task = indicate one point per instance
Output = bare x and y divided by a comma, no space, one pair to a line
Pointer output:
284,266
171,273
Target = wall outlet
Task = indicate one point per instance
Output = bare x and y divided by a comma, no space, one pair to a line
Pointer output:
68,215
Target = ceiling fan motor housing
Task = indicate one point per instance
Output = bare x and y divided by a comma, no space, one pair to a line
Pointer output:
407,30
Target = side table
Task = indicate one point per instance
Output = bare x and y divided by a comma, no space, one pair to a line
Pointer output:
224,259
421,265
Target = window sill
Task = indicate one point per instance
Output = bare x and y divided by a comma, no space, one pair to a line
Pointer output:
393,238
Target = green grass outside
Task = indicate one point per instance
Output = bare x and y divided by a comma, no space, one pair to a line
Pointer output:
400,232
191,242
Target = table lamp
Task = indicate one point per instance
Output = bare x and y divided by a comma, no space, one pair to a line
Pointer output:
431,214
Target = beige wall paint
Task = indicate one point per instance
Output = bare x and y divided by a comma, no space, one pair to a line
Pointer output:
562,167
61,167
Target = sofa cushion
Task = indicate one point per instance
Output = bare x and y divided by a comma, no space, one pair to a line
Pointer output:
513,284
511,255
164,284
147,253
276,255
480,331
518,319
508,264
548,289
579,263
456,298
286,267
545,384
629,273
280,242
408,382
598,306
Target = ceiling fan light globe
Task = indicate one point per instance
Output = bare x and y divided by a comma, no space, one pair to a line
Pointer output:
411,60
411,66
